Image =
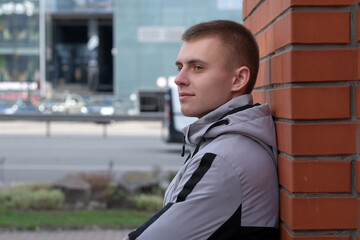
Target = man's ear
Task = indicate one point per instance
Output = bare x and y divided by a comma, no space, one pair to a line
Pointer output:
241,79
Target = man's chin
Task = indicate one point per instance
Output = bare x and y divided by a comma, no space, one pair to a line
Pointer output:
188,113
192,115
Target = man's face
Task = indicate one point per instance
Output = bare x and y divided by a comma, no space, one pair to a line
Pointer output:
204,80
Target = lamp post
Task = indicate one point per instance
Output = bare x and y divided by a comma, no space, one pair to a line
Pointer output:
42,47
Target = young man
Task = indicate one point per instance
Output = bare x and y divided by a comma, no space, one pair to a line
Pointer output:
227,188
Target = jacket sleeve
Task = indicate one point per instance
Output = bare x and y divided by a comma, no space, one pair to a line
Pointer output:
208,202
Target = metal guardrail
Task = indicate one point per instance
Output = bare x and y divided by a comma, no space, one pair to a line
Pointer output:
147,116
100,119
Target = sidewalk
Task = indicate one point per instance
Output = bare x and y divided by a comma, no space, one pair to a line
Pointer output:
64,235
126,128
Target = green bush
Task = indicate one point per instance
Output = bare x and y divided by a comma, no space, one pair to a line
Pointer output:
116,198
46,199
31,197
148,202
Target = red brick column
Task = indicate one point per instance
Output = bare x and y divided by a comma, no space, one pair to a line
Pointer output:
309,74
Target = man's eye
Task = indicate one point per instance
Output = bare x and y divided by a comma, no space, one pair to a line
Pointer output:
198,68
179,68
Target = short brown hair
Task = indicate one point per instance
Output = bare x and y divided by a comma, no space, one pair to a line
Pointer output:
240,43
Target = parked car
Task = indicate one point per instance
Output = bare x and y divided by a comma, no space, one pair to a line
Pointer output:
174,121
103,105
6,106
25,106
64,103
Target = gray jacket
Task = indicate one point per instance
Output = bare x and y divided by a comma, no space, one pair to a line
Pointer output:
228,187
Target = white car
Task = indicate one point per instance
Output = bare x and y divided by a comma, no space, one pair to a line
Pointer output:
101,105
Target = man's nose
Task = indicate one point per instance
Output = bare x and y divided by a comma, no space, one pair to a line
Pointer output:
181,79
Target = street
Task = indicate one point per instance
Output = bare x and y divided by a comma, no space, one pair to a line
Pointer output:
27,154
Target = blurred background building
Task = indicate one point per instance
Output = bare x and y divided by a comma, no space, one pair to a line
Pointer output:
117,47
19,46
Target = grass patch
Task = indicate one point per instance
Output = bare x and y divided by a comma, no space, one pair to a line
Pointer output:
31,197
114,218
148,202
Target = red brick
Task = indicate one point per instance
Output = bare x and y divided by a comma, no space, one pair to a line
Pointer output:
286,235
358,176
281,67
270,10
259,96
358,202
315,27
318,213
357,101
316,138
358,26
248,6
358,64
265,14
314,66
263,96
330,102
322,2
314,175
253,22
263,78
276,36
321,27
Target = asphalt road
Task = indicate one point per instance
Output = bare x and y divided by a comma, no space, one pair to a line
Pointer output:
28,154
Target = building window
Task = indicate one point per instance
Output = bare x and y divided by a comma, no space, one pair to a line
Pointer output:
19,41
160,34
229,4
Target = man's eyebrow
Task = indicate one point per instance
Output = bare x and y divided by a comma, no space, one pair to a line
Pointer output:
192,61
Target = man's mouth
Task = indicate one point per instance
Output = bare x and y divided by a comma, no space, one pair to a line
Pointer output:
183,96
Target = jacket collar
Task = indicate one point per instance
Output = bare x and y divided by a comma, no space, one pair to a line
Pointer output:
193,131
216,114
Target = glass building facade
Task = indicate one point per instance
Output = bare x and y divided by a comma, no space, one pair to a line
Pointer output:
147,37
19,42
68,26
114,46
79,38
